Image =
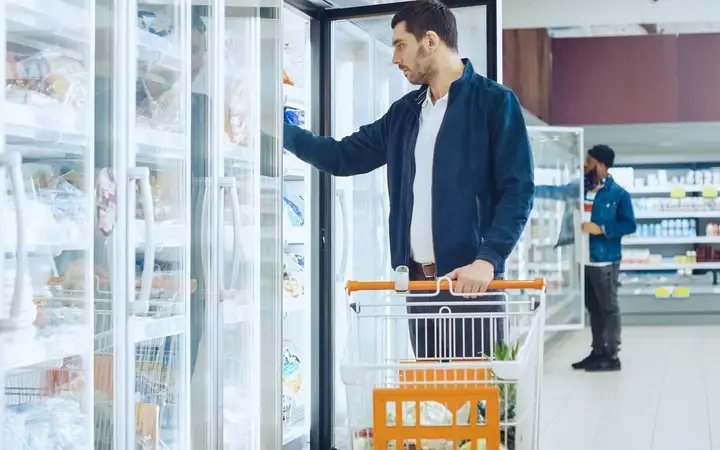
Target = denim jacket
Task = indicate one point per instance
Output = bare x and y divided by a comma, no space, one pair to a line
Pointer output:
613,212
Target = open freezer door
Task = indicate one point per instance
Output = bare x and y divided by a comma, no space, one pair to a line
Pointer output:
361,82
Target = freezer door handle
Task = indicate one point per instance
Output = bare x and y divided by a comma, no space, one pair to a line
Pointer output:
346,239
142,176
229,184
13,163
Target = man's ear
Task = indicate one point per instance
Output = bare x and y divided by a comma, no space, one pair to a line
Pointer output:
433,40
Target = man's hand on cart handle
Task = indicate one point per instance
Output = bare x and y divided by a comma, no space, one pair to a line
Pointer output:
473,278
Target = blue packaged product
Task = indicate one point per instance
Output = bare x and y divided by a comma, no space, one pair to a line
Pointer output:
295,209
294,116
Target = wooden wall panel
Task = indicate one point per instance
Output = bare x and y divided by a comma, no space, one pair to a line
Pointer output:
527,68
615,80
699,83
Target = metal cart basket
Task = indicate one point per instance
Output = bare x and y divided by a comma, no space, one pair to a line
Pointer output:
483,398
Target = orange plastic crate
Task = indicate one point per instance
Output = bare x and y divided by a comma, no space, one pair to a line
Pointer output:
450,387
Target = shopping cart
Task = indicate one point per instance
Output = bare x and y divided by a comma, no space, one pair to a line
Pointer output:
482,399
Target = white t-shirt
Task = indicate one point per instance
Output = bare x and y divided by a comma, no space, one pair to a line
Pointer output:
421,237
587,214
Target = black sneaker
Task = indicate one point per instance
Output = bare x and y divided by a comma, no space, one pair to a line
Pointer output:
604,364
582,365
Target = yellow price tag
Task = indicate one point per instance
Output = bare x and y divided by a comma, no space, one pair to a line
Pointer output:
677,192
709,192
681,292
662,292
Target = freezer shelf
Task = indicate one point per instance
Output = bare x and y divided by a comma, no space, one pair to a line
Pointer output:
20,350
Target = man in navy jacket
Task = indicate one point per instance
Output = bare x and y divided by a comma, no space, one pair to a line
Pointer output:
460,172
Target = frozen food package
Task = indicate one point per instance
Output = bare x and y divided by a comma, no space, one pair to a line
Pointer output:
238,109
149,21
48,77
159,98
291,371
293,65
294,116
295,209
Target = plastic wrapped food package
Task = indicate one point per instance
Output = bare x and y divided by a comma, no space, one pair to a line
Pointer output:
291,380
237,113
294,209
293,66
47,78
159,106
293,275
57,423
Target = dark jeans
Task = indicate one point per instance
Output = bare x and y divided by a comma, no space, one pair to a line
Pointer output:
601,301
454,338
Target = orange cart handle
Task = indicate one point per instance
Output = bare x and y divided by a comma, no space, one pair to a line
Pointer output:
430,285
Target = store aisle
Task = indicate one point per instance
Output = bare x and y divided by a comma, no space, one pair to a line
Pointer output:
667,396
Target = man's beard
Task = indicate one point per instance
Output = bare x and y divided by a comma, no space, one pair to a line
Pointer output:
425,71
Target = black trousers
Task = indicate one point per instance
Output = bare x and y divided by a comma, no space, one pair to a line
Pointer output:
601,301
436,338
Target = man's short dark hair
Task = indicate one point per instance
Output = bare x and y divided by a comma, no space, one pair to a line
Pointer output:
197,23
422,16
604,154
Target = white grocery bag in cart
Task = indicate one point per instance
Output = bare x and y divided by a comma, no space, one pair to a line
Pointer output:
484,402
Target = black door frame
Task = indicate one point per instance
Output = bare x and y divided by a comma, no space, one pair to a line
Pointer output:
323,282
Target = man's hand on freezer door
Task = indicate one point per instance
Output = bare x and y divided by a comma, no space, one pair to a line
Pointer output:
473,278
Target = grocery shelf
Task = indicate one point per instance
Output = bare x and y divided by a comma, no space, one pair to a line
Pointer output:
56,124
671,240
665,291
57,21
687,188
159,143
677,214
18,350
145,328
295,235
670,266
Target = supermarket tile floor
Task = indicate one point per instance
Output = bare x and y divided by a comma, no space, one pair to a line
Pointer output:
667,396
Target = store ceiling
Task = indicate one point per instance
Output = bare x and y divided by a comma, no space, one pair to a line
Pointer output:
669,142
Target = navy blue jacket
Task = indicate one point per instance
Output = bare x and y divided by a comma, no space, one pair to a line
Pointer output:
482,186
612,210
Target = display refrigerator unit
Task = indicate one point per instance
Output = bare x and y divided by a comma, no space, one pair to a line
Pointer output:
142,244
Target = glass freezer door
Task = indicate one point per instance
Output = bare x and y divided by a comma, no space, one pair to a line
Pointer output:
364,84
552,245
235,234
47,208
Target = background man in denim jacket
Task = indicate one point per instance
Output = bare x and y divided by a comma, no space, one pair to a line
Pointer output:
611,218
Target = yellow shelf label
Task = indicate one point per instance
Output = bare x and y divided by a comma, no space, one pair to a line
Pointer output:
681,292
662,292
677,192
709,192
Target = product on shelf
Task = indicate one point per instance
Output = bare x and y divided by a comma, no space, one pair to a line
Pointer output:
662,179
149,21
294,209
667,228
292,65
55,423
294,116
293,275
46,78
291,381
712,229
708,253
237,112
670,205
